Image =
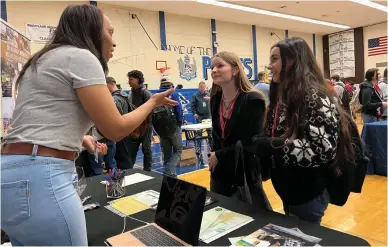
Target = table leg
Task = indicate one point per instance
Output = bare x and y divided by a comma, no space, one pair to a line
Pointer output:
198,147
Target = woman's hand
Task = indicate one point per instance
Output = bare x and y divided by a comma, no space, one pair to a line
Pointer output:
89,144
102,149
261,141
161,99
265,144
213,161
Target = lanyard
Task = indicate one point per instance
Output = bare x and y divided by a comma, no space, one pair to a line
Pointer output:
229,114
274,120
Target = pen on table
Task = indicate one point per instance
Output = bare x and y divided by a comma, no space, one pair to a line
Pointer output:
107,178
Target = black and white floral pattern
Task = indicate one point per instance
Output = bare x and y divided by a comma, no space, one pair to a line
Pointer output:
318,144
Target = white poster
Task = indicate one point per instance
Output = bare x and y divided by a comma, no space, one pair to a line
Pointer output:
15,52
39,33
341,54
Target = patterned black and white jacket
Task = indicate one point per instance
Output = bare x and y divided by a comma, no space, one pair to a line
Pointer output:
298,166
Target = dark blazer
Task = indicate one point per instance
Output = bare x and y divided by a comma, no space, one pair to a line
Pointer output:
246,121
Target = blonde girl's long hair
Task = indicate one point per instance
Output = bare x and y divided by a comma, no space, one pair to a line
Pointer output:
241,80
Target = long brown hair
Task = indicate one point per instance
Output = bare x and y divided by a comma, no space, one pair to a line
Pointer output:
241,80
295,84
80,26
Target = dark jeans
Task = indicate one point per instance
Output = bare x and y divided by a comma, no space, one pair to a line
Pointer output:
259,198
172,150
209,131
109,159
145,141
123,154
311,211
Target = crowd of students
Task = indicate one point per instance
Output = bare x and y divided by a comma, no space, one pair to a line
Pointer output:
302,135
370,97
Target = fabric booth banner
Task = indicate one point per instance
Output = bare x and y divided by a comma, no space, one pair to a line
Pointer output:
39,33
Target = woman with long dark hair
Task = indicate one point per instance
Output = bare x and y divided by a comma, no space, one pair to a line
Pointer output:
237,111
303,127
61,93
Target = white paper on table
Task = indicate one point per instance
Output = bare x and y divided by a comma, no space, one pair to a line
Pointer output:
211,239
148,197
135,178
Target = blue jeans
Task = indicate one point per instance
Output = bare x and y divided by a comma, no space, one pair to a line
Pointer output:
172,150
366,118
109,159
39,204
311,211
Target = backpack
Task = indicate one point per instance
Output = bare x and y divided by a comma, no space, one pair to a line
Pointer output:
139,131
346,98
355,103
164,121
353,173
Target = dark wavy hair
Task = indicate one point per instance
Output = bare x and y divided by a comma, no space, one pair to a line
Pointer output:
80,26
137,74
295,84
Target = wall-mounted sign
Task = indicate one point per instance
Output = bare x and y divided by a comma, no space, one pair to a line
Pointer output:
190,50
40,34
207,61
341,54
187,70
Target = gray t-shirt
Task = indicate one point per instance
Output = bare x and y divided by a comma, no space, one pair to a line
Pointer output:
48,111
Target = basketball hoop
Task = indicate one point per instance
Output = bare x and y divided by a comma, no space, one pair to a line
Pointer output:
162,70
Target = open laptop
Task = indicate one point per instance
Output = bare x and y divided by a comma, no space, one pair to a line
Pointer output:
178,218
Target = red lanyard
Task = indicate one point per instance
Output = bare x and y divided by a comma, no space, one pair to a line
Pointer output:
377,88
229,114
274,120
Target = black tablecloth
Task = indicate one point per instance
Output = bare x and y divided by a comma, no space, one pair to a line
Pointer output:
102,223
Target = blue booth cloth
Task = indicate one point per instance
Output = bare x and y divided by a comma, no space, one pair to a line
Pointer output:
375,137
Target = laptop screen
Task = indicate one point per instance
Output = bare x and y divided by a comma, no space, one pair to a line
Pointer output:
180,209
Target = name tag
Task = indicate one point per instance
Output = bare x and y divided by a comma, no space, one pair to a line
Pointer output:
204,104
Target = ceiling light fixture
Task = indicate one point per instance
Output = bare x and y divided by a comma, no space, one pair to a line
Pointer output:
271,13
372,5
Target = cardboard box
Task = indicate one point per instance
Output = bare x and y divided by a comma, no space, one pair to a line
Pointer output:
188,157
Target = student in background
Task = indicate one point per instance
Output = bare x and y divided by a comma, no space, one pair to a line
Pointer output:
237,111
106,161
139,96
343,95
61,93
123,155
371,97
335,79
349,87
171,143
200,103
302,129
201,110
263,87
384,89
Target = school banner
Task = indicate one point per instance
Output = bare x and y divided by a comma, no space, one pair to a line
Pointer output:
15,51
39,34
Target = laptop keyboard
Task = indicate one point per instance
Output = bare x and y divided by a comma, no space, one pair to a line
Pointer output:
152,236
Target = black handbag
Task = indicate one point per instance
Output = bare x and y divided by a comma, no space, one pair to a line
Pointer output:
243,191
